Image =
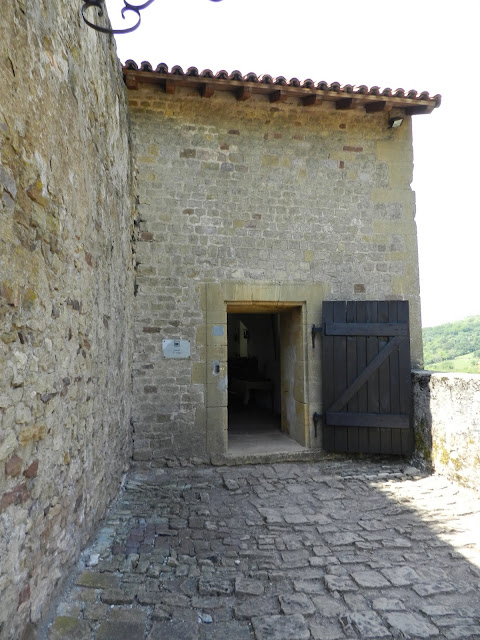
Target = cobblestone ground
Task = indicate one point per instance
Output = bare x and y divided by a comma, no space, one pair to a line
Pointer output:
320,551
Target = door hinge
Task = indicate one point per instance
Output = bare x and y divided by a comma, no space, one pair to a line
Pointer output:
315,330
316,418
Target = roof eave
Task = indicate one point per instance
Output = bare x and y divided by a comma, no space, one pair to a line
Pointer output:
348,97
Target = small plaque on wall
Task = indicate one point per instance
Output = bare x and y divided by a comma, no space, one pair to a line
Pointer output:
176,348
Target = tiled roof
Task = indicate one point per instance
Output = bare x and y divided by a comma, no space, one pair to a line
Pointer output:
279,89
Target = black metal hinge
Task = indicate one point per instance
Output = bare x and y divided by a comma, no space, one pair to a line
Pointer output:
315,330
316,418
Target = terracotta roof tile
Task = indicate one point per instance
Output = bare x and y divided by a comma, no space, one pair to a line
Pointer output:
374,98
236,75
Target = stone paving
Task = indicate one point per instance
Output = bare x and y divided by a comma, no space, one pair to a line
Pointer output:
324,551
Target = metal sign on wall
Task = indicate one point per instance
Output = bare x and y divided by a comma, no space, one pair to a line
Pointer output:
176,348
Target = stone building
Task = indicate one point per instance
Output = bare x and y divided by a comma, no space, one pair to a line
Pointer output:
254,201
258,200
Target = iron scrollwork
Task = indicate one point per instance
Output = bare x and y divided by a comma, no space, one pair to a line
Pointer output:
129,7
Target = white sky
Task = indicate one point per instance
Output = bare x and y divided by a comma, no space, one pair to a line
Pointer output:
427,45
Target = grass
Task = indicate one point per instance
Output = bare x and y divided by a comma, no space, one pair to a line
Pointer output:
467,363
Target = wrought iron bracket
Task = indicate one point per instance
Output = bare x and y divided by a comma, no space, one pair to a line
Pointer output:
129,7
315,330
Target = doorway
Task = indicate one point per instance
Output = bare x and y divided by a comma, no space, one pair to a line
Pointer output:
264,347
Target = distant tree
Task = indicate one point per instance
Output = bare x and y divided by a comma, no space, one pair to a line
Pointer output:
448,341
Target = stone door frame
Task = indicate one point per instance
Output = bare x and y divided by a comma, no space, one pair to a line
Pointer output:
218,300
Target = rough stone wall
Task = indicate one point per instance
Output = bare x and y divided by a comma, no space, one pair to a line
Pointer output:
66,285
447,424
251,192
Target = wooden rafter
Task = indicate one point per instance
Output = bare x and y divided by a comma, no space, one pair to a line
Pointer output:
305,95
244,93
344,103
169,87
207,90
312,99
375,107
278,96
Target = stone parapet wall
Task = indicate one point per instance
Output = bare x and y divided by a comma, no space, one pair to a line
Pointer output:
447,423
66,285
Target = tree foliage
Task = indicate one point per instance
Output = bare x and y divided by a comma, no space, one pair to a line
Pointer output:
448,341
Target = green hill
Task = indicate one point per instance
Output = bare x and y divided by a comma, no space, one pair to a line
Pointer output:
454,346
461,364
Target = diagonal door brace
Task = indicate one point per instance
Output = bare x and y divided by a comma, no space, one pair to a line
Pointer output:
381,356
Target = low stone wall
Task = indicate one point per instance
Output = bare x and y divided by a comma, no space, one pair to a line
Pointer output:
447,424
66,292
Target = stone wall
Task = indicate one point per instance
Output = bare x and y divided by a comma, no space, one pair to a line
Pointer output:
66,285
254,201
447,424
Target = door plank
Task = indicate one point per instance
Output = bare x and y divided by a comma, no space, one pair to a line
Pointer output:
352,406
327,376
384,383
361,364
340,372
373,391
394,380
405,376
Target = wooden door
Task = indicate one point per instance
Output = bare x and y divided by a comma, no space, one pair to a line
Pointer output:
367,377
